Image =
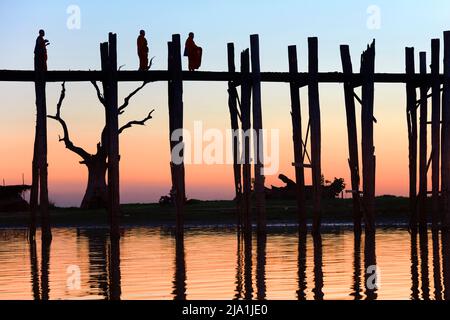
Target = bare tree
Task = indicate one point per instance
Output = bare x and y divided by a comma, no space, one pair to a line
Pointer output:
97,191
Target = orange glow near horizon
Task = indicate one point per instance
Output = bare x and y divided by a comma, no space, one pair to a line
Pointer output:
145,173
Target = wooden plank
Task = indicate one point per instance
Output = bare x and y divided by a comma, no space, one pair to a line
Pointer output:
411,116
368,148
352,136
258,140
233,109
446,135
435,129
297,140
423,157
246,127
314,115
164,75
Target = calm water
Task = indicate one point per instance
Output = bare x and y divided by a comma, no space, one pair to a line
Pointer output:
149,263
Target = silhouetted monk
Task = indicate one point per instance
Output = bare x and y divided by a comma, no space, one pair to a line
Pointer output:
40,52
142,48
193,53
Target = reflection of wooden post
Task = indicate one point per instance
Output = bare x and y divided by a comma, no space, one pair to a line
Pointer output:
232,105
297,137
411,114
40,166
246,126
423,144
368,148
435,128
314,115
258,139
114,274
176,124
108,53
446,134
352,137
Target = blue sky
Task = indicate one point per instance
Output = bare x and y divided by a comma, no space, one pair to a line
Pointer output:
279,23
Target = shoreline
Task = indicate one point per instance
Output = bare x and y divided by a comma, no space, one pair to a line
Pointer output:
391,211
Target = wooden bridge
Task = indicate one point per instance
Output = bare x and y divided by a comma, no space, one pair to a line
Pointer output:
246,113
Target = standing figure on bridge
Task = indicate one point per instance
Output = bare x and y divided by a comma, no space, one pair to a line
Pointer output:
40,52
193,53
142,49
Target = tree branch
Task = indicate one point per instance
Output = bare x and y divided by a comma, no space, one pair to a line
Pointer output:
131,95
66,139
135,122
99,94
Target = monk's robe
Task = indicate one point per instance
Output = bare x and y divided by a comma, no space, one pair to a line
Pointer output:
194,54
142,48
40,55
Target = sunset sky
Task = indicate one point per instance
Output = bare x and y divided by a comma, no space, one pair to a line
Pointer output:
145,172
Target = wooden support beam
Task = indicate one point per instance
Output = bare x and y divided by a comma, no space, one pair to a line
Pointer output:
246,128
352,136
176,125
423,181
164,75
258,140
446,135
435,129
40,165
108,52
297,139
368,148
233,108
411,117
314,115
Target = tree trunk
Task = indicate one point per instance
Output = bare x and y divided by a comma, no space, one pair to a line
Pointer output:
96,195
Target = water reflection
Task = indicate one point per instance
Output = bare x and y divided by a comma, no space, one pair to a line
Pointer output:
446,263
370,265
45,270
301,267
414,267
148,264
261,266
34,270
425,278
437,266
97,240
179,279
114,275
356,287
318,272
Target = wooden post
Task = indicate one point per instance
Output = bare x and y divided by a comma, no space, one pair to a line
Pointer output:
446,134
314,115
233,108
435,128
352,136
411,114
40,165
297,138
368,148
423,182
108,52
34,193
258,140
246,129
176,124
